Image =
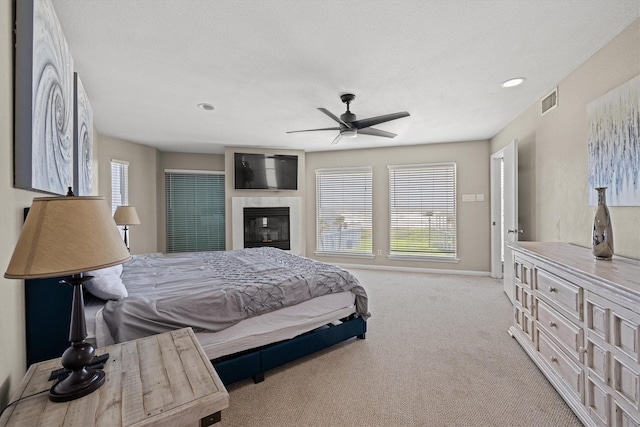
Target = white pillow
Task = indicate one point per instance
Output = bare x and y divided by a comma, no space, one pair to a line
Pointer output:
106,283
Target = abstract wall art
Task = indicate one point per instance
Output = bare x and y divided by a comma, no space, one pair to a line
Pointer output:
43,146
613,145
83,140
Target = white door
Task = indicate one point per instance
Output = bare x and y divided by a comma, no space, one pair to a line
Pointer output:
504,213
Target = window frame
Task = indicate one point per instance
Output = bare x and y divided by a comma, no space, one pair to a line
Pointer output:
123,184
366,177
450,211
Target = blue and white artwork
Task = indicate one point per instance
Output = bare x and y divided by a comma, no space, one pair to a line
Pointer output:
44,100
613,143
83,137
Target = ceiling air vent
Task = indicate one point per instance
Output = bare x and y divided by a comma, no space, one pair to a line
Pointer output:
549,102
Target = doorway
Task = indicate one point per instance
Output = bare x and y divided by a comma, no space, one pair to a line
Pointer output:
504,213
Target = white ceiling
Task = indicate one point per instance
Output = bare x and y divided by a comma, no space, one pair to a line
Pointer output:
266,65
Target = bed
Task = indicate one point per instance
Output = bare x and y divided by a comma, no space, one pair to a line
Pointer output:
251,309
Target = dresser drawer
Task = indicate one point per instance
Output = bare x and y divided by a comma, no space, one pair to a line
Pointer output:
597,318
598,401
626,332
597,361
561,328
626,381
622,418
528,326
568,370
517,294
528,303
561,293
523,273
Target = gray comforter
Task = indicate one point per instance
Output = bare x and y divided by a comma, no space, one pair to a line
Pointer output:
211,291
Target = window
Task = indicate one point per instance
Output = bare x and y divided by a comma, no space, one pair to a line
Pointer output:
119,184
195,211
343,211
422,207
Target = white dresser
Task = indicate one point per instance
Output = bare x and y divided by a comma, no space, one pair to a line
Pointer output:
579,320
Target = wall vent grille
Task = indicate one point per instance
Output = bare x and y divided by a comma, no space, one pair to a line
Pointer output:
549,102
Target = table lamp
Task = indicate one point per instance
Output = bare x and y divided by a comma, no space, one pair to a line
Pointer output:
126,216
64,237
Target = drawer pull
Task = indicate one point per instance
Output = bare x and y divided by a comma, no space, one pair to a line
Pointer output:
552,289
553,359
552,324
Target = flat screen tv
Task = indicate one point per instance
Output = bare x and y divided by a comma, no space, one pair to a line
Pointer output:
265,171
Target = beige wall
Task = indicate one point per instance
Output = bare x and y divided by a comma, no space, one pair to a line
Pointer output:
142,160
181,161
472,166
12,326
553,193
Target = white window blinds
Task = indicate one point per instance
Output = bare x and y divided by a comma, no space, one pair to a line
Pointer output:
422,201
344,211
195,211
119,184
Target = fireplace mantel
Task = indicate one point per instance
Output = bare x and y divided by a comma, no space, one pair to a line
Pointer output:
293,203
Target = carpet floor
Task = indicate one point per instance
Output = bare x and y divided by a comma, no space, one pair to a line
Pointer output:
437,353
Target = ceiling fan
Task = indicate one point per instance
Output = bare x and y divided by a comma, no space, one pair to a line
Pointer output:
349,127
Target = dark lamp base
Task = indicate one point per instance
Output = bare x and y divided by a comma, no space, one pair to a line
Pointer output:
76,385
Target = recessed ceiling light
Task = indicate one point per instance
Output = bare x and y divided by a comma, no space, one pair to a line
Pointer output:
205,106
513,82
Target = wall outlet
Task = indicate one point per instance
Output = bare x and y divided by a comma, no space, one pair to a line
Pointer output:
479,197
468,197
379,251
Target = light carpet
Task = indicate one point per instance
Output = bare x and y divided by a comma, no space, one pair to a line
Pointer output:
437,353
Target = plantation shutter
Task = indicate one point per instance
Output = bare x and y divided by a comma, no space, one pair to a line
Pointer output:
344,211
422,210
195,211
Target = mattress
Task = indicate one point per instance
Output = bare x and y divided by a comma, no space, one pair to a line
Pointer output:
253,332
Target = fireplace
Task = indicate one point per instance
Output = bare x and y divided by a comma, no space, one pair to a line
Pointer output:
238,204
266,226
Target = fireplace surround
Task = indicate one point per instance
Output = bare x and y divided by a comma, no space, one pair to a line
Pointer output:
295,218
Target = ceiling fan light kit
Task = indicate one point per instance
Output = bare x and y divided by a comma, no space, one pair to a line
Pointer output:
349,127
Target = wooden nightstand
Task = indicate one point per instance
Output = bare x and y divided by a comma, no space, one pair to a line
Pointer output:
161,380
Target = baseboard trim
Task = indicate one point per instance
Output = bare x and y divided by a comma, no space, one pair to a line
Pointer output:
415,269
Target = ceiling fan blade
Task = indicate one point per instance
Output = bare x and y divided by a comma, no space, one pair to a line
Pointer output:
336,139
376,132
371,121
334,117
312,130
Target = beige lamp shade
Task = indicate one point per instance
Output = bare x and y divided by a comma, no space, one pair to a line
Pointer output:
66,235
126,215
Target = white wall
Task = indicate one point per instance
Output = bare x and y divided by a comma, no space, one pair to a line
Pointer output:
553,189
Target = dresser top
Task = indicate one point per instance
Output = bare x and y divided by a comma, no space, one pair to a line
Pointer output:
619,272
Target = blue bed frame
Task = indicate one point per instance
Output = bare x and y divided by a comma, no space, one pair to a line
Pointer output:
255,363
48,314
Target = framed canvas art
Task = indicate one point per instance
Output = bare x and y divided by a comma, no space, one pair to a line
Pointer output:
43,146
83,140
613,141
